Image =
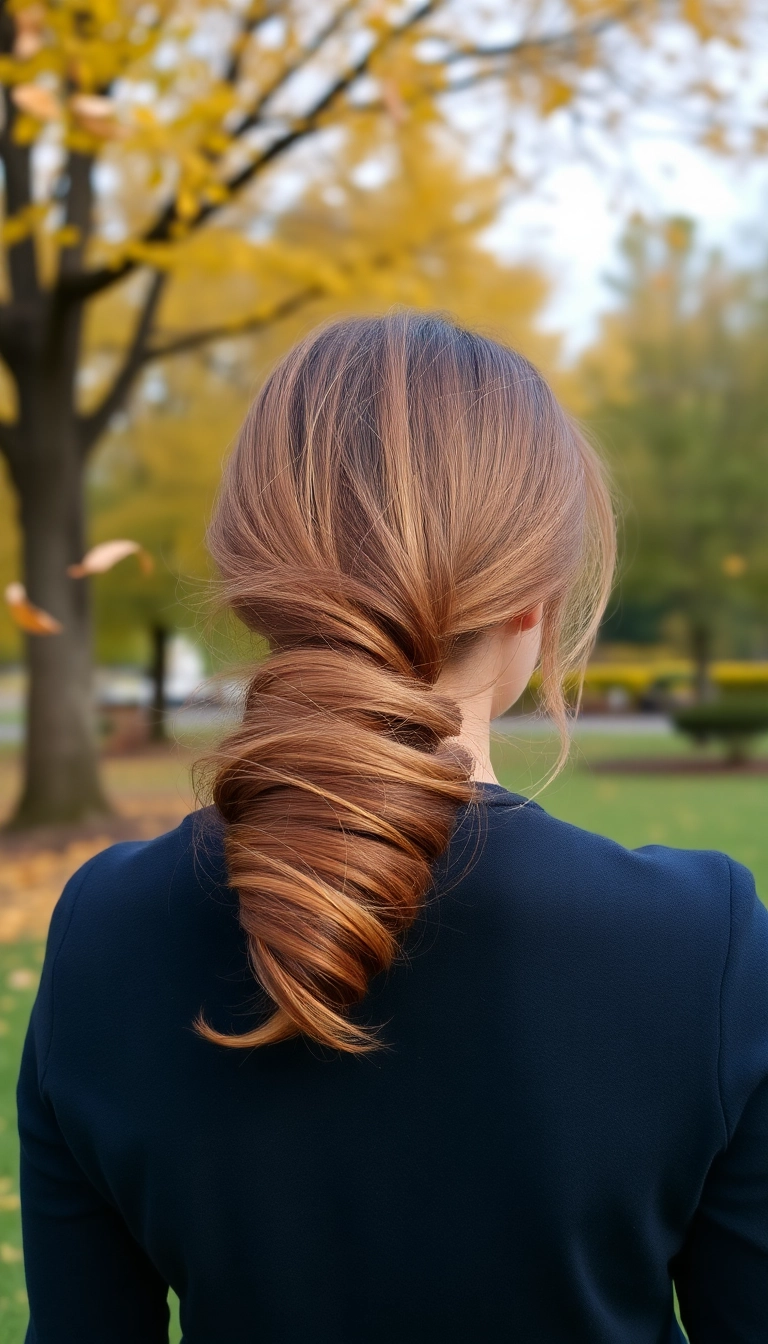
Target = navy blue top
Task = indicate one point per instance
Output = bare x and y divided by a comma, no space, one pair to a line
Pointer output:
572,1111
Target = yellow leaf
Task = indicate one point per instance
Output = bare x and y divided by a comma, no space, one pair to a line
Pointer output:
15,229
25,130
186,204
555,93
67,236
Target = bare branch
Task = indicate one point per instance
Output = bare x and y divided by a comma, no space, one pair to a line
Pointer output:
92,426
195,339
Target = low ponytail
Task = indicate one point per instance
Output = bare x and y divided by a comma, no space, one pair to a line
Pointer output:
399,486
339,792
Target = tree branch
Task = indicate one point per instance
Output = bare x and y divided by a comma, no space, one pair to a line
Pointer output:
294,302
16,159
92,426
9,443
250,26
562,38
94,282
293,67
79,212
197,338
90,283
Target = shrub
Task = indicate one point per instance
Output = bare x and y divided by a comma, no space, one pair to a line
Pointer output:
734,722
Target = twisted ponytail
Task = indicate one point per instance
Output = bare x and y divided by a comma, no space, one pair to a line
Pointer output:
399,486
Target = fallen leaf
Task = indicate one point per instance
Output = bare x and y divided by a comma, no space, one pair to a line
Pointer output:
28,617
22,978
108,553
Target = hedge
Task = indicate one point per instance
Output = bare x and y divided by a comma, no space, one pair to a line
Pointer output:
638,678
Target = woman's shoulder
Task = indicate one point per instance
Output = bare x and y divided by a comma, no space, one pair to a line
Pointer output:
133,889
578,875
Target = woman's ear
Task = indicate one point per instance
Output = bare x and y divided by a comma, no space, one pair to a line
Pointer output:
527,620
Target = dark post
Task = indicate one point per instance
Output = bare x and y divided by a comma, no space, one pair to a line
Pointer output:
158,671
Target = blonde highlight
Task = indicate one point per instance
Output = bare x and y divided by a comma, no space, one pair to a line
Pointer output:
400,486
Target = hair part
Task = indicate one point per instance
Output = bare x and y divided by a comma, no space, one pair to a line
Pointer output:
400,486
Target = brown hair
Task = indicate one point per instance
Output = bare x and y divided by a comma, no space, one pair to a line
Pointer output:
400,485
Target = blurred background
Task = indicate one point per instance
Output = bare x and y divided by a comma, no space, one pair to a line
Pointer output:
189,187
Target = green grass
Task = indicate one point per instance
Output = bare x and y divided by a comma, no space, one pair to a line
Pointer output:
19,971
712,812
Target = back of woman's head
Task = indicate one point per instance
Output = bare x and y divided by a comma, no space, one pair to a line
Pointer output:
400,486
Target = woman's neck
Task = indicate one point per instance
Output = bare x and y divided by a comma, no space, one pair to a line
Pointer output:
475,735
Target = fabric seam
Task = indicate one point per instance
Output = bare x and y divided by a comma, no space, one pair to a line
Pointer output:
86,872
720,1006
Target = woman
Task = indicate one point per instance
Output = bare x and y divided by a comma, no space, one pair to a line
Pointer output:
374,1051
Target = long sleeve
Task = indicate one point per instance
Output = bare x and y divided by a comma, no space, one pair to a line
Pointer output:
721,1274
88,1280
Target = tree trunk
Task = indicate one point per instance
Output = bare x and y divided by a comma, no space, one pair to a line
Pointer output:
61,781
158,672
701,654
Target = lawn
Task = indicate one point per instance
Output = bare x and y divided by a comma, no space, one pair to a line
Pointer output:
694,811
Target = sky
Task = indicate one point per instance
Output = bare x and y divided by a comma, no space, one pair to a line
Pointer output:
573,222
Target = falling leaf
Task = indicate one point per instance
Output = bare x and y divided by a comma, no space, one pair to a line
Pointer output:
9,1203
28,617
37,102
734,566
10,1255
108,553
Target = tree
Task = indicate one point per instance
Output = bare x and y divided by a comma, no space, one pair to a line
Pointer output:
679,387
153,133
